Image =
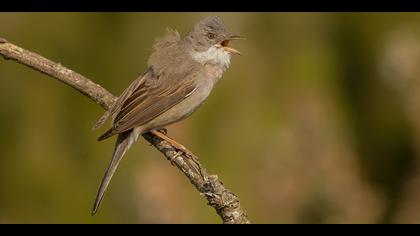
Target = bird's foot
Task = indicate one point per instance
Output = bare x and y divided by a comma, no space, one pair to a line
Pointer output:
173,143
163,131
174,157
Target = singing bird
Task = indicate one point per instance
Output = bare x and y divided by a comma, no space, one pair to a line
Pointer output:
180,75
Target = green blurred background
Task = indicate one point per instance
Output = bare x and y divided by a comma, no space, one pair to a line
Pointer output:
318,121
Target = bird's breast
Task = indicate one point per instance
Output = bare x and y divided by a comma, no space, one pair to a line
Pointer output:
213,72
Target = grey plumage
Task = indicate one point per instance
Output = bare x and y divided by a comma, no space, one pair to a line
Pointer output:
181,74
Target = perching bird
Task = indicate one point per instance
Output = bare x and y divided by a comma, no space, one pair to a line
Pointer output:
180,76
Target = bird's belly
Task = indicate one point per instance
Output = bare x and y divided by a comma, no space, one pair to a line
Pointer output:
181,110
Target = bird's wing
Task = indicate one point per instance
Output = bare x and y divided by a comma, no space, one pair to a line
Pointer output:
151,97
116,106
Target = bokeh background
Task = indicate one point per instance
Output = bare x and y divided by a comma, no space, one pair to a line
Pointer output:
318,121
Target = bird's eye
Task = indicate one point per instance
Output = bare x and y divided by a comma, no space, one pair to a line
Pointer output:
210,35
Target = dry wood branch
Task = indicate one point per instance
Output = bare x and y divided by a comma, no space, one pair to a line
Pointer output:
223,200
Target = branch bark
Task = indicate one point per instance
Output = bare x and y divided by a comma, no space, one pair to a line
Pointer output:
224,201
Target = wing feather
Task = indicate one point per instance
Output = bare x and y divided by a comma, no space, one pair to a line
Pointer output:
116,106
148,100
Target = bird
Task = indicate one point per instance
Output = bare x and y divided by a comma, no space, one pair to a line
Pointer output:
181,72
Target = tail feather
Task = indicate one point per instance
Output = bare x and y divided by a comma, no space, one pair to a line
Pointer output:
124,142
106,135
101,120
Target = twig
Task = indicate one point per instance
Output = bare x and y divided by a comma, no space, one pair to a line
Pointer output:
223,200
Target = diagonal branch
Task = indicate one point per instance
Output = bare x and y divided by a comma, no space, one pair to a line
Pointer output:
225,202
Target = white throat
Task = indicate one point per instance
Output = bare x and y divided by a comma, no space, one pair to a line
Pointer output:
214,55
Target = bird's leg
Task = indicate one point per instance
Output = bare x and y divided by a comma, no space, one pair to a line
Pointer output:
174,143
163,131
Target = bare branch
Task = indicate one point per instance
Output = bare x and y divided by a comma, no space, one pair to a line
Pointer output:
223,200
57,71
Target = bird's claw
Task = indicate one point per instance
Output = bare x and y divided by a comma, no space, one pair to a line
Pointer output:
163,131
188,153
183,150
173,158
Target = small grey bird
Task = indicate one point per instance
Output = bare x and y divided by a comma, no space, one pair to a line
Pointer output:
180,76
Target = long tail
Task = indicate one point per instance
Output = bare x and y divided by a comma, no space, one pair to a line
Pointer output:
124,142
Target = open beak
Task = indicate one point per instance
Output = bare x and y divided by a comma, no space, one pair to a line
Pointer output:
225,44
